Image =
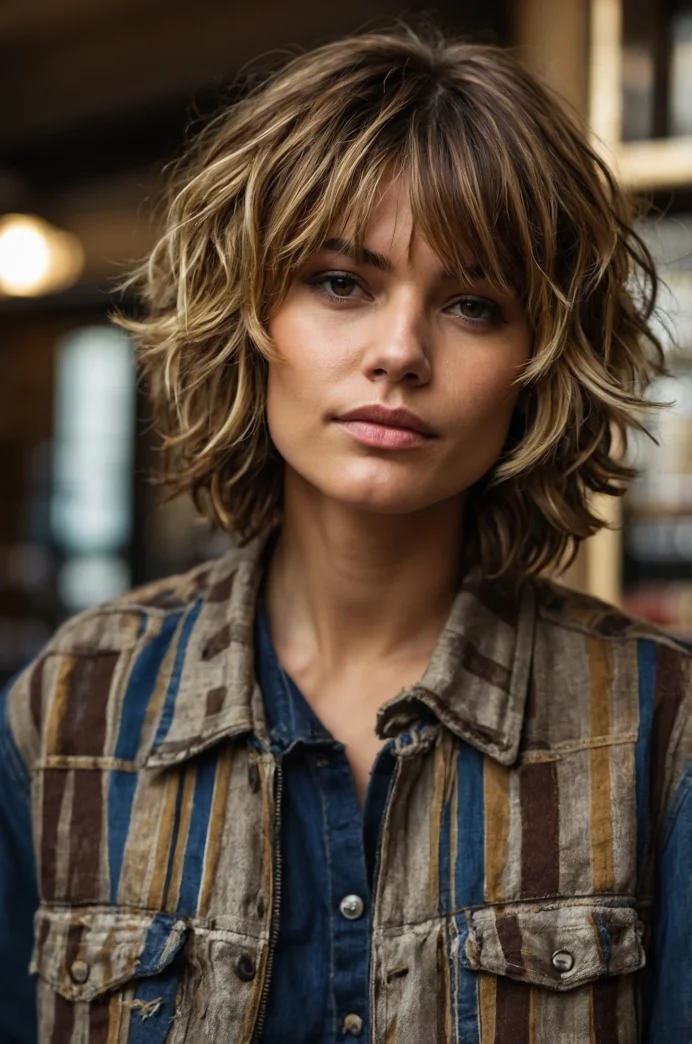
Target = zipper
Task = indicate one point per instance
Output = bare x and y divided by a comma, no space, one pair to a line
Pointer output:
276,904
375,885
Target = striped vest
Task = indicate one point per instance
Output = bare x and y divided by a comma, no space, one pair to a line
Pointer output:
517,858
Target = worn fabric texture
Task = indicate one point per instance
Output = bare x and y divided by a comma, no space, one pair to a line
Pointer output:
537,825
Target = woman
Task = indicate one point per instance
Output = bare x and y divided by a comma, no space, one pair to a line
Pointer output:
370,775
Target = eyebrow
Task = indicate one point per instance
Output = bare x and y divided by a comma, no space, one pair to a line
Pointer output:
361,255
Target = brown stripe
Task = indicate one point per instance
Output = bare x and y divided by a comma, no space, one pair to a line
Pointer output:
54,783
498,598
85,838
540,823
215,698
511,941
36,693
482,666
604,1001
221,591
513,1013
83,727
63,1020
218,643
100,1020
671,684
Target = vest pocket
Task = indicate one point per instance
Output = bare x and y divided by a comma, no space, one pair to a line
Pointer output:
558,946
546,972
104,971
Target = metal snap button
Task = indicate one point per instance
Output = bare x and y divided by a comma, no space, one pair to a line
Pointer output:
245,967
353,1024
352,907
79,970
563,961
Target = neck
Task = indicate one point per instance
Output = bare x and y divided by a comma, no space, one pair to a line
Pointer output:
348,586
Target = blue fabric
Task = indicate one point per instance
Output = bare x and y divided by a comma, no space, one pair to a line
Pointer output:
321,966
18,893
646,661
668,975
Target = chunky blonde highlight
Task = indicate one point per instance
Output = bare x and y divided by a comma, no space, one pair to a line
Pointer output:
496,169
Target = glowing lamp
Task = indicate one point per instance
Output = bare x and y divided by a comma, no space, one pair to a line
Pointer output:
35,257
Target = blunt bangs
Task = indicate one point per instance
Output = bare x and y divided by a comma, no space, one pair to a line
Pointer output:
499,176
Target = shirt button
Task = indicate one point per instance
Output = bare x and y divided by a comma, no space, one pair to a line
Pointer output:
563,961
352,907
353,1024
79,970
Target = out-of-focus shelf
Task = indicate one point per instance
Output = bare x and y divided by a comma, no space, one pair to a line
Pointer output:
656,164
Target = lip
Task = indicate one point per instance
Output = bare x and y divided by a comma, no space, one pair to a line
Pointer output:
390,418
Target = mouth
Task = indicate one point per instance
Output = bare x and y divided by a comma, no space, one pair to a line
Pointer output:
385,428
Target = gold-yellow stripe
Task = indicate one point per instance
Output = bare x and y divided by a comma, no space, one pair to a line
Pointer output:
496,800
59,705
173,894
163,843
436,810
215,833
601,673
487,1006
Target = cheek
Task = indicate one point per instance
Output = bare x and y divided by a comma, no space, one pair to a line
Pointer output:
487,394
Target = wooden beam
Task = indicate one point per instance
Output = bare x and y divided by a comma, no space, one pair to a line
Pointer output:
552,40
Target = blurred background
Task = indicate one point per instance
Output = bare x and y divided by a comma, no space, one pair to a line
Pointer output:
99,95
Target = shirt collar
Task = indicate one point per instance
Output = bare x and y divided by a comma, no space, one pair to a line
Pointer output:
475,683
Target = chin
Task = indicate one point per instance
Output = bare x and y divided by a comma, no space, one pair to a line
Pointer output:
378,498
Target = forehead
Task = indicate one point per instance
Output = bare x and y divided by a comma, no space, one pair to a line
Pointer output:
389,237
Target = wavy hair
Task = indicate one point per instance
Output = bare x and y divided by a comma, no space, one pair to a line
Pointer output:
497,169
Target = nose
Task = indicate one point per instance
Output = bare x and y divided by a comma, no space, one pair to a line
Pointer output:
399,349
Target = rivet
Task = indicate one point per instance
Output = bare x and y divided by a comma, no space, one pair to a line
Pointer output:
79,970
562,961
245,967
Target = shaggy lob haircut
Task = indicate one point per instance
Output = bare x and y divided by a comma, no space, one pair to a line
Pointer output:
497,171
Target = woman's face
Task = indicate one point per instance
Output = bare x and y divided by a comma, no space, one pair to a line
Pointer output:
392,330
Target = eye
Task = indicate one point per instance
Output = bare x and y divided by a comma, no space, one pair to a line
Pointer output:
476,310
337,285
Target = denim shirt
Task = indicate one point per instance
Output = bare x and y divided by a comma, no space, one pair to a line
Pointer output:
533,879
319,984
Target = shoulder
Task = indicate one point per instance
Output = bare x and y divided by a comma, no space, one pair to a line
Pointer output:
567,609
74,692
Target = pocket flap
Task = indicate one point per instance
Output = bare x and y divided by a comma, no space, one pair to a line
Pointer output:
559,946
87,951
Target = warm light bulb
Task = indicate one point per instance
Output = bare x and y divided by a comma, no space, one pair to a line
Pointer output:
35,257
